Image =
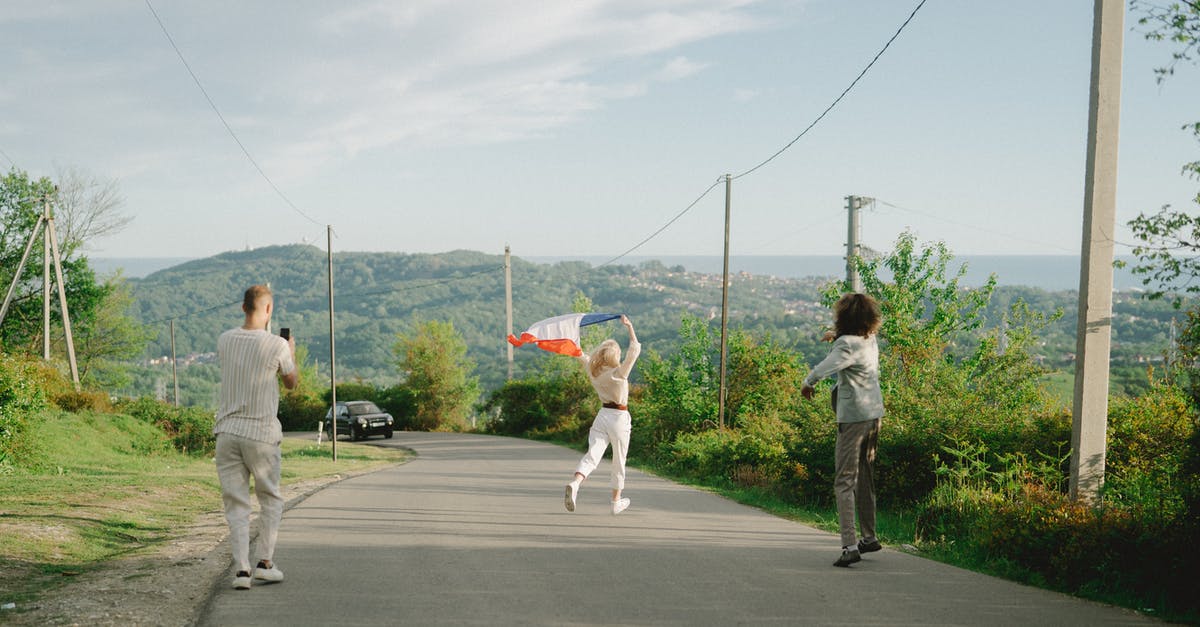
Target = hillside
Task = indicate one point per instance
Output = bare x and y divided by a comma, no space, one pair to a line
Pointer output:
377,295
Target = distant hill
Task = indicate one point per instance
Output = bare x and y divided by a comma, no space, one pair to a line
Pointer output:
377,295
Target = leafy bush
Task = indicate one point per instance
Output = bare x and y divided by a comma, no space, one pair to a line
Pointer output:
299,411
756,455
1010,511
20,396
557,403
83,400
189,428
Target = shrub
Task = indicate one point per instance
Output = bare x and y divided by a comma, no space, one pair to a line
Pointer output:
20,396
753,456
189,428
83,400
299,411
551,405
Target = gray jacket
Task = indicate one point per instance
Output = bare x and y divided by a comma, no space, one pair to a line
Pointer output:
855,359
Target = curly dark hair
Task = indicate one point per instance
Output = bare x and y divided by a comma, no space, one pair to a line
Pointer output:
856,314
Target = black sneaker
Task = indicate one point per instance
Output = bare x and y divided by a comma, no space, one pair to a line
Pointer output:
869,547
849,556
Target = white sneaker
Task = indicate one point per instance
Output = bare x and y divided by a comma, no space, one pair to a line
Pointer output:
241,581
620,506
569,499
263,573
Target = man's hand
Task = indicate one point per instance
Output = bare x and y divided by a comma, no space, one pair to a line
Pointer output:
807,392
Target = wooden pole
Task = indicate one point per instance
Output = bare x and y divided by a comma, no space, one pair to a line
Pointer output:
332,352
62,298
508,310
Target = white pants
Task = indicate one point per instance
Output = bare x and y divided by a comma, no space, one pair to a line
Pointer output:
237,459
612,426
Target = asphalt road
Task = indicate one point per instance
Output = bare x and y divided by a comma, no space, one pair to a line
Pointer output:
473,531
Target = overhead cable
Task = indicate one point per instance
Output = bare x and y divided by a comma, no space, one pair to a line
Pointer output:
972,226
669,223
224,123
839,98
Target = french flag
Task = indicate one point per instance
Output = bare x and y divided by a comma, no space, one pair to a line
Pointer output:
560,334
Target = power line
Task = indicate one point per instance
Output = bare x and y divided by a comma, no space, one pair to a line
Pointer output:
669,223
223,121
781,150
972,226
839,98
7,158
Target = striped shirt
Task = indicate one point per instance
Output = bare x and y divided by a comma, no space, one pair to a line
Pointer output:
250,361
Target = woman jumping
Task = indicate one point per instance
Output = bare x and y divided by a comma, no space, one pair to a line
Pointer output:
610,378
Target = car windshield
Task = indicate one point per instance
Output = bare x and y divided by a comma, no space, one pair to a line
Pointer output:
358,409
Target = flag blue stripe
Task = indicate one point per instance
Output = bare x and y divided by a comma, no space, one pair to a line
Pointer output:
596,318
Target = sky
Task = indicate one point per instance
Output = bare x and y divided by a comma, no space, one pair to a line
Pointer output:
582,127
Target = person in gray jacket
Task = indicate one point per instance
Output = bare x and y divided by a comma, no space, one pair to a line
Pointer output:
854,358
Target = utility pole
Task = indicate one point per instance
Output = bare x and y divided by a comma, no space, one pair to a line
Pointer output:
51,234
174,370
1170,358
853,247
333,413
508,306
1094,329
46,284
724,308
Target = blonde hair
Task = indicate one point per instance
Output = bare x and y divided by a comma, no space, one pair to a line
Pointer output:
608,355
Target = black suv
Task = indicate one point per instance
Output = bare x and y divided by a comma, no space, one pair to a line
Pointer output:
360,420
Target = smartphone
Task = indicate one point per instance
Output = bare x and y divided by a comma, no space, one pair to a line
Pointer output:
285,333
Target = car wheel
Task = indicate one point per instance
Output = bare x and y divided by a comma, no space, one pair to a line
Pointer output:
387,434
354,434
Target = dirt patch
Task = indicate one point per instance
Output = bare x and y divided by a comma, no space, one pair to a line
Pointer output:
170,585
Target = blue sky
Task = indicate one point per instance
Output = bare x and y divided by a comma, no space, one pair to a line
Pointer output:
579,128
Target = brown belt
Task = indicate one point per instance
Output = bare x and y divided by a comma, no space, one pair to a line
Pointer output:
616,406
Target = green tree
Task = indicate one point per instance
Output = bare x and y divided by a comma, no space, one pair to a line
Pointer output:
110,338
1169,252
433,364
83,210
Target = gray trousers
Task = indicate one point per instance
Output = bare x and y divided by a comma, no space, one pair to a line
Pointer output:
854,478
237,460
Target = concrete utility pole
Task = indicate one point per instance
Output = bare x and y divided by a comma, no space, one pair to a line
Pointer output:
853,247
508,306
724,309
1094,330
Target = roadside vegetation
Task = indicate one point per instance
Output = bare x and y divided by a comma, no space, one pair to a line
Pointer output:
79,488
973,454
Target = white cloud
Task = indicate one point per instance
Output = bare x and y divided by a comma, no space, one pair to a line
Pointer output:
679,67
334,81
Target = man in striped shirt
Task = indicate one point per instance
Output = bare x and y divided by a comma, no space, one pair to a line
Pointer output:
248,431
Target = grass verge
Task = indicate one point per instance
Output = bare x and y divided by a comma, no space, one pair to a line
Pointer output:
104,486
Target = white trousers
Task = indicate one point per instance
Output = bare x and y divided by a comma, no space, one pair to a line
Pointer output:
612,426
237,459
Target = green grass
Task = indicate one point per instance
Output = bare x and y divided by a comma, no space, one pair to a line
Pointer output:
102,486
